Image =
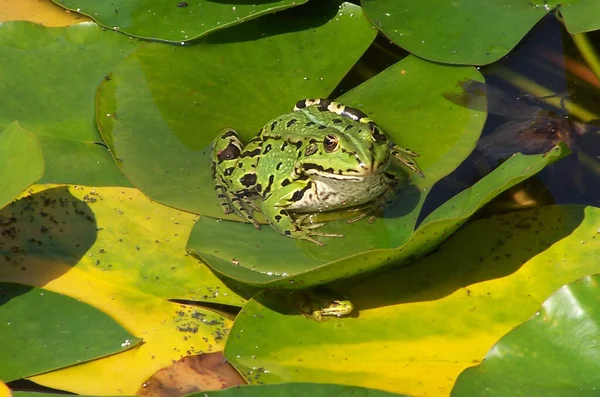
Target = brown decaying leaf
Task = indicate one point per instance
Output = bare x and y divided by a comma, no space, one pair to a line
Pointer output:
192,374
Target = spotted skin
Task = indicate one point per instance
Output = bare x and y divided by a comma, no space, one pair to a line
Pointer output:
323,156
406,156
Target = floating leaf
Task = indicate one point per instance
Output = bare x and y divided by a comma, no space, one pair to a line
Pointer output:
34,394
19,150
4,390
580,16
470,32
240,78
56,101
43,12
412,119
209,371
173,20
414,329
297,390
124,254
272,260
42,331
554,353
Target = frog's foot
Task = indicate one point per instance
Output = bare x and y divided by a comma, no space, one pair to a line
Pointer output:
406,157
223,198
244,210
304,234
244,207
288,227
378,205
234,188
306,221
370,212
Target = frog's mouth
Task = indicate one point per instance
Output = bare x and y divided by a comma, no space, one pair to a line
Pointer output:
343,175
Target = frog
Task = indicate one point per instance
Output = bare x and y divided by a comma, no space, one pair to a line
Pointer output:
321,309
322,156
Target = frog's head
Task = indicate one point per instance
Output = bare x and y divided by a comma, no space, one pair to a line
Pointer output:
357,152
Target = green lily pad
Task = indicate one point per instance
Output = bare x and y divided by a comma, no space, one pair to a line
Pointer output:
56,101
580,16
415,329
270,259
19,150
555,353
470,32
159,121
173,20
297,390
42,331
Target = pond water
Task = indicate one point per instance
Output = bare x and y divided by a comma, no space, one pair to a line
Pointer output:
544,57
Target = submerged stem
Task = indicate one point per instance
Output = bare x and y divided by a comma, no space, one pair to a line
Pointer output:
544,94
588,52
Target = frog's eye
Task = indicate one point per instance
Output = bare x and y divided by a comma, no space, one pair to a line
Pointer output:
331,143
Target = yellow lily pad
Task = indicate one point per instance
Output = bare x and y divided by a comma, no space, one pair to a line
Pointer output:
4,390
120,252
44,12
416,328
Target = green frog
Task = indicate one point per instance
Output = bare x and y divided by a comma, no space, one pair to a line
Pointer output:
323,156
319,309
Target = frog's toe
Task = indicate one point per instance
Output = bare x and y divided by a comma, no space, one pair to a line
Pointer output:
358,217
307,236
254,221
369,212
326,234
311,233
312,240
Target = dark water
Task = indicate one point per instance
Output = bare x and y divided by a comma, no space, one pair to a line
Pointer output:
572,180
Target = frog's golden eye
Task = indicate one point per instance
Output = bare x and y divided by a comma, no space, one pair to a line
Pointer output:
330,142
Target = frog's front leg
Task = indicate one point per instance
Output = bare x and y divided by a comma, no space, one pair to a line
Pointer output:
274,208
406,157
234,186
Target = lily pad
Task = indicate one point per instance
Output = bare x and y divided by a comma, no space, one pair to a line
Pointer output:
42,331
554,353
56,101
160,121
36,394
265,258
4,390
19,150
297,390
416,328
470,32
580,16
116,250
174,20
43,12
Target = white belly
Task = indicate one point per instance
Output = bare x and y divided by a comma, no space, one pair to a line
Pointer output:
330,194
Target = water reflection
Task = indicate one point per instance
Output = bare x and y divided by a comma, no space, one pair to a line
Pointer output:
530,129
